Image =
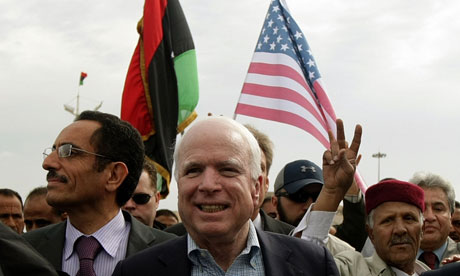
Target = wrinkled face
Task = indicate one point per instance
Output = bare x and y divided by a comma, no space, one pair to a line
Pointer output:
167,220
291,211
217,194
73,182
11,213
144,212
437,219
455,230
38,213
396,234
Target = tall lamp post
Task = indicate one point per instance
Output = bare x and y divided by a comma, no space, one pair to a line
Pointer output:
379,155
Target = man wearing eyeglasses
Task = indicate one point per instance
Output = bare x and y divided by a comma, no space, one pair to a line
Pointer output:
144,203
298,185
93,168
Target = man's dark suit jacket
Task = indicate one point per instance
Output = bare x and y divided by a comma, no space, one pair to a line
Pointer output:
49,240
17,257
452,269
269,224
282,255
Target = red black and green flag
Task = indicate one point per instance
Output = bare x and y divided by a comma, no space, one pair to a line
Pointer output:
161,88
83,75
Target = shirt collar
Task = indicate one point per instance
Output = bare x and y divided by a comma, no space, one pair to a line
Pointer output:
438,252
399,272
258,222
193,250
109,236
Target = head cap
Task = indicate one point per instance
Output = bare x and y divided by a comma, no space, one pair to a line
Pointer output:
394,190
298,174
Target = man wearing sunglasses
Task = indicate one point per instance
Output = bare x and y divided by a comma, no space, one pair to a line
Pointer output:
93,168
144,203
298,185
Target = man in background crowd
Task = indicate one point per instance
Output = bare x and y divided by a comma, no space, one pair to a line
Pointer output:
38,213
145,200
455,220
11,210
297,187
166,217
439,206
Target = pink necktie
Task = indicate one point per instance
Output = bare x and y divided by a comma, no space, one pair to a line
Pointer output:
429,259
87,249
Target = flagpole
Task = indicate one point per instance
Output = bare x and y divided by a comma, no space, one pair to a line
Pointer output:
78,101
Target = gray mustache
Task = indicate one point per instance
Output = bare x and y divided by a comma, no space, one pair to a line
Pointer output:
401,240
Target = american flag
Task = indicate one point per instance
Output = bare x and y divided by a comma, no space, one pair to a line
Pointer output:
283,82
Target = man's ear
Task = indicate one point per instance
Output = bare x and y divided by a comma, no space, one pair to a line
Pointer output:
157,199
370,233
117,174
257,186
267,184
275,201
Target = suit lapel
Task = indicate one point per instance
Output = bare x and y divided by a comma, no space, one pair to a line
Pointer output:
276,257
140,237
53,245
175,260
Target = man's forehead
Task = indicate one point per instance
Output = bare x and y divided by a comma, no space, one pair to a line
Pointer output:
79,130
10,200
435,196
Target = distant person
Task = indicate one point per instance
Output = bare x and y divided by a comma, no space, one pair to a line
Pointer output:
219,177
144,202
455,220
439,206
93,169
167,217
38,213
11,210
17,257
298,186
268,207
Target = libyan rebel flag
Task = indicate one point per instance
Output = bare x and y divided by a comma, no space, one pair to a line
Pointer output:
161,88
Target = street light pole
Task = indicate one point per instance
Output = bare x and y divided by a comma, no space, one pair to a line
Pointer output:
379,155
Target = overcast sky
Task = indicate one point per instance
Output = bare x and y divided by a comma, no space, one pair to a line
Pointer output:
392,66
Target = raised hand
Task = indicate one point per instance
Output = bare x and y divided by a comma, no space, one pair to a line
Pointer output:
339,166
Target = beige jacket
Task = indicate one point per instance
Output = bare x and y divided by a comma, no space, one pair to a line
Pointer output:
352,263
453,248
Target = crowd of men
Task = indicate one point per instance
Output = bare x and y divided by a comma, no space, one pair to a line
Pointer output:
98,214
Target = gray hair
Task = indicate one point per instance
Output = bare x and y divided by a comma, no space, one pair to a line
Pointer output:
253,146
430,180
370,218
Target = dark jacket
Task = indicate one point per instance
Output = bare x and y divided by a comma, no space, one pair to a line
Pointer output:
49,241
282,255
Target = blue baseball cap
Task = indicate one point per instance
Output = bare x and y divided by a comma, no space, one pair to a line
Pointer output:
298,174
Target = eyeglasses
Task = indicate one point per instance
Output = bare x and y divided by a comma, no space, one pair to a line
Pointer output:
300,196
65,150
141,198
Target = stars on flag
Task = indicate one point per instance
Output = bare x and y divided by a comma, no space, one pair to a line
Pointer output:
282,35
